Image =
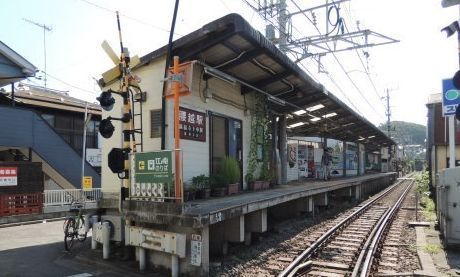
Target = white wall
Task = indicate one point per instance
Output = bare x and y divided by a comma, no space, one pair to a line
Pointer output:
195,153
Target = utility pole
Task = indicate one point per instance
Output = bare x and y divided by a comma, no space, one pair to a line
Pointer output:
388,114
45,29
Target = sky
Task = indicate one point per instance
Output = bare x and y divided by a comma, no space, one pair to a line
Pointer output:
410,70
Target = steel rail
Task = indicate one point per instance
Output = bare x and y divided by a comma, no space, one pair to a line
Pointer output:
364,266
298,264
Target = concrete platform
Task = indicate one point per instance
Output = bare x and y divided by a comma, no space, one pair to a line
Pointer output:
199,213
208,226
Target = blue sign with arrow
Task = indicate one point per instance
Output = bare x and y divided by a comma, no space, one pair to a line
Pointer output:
450,97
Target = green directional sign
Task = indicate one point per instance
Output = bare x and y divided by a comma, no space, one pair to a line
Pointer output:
153,167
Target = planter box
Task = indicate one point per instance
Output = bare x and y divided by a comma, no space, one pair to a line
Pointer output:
219,192
233,188
189,195
265,185
203,193
256,185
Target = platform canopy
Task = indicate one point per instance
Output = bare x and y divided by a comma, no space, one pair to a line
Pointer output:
13,67
232,50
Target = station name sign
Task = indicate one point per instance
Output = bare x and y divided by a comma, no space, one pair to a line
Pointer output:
192,124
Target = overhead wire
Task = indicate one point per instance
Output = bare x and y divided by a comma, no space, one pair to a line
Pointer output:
275,25
366,70
94,93
339,63
129,17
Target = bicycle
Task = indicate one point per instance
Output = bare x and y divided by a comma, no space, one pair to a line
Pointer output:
74,226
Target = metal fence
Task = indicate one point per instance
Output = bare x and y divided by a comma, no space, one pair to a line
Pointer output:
63,197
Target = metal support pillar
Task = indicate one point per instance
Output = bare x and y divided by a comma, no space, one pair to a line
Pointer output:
12,95
142,259
205,251
451,141
174,265
344,158
283,149
106,240
275,153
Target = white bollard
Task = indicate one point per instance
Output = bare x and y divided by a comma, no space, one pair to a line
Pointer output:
142,258
106,240
93,243
87,222
174,265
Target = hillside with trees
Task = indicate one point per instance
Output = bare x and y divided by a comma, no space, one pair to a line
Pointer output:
406,133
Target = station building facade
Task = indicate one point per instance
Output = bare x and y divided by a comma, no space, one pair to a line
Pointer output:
236,72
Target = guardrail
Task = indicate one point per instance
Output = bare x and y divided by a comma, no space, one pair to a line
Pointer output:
63,197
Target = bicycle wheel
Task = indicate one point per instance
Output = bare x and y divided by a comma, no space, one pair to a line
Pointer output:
81,230
69,233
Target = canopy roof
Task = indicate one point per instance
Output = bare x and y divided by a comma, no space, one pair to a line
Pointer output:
229,47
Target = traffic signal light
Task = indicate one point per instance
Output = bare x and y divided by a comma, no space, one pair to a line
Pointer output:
106,100
116,160
106,127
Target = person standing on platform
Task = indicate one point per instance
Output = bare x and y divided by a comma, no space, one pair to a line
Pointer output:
326,160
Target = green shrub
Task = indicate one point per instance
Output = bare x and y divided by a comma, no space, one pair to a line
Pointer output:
230,171
200,182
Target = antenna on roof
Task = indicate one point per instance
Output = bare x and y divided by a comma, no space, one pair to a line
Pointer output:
45,29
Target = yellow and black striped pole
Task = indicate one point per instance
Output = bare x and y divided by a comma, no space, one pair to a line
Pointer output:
128,141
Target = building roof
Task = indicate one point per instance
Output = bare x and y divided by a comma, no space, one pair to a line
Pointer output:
13,67
434,98
229,45
37,96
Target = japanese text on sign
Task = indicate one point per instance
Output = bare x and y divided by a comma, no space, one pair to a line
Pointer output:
192,124
195,250
8,176
152,171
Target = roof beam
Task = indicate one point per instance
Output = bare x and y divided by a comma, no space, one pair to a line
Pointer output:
266,81
249,55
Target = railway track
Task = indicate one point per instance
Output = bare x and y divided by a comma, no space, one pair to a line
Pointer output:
351,242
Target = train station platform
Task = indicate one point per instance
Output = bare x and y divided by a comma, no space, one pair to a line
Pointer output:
199,213
206,227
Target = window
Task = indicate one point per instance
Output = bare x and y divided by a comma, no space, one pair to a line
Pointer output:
155,123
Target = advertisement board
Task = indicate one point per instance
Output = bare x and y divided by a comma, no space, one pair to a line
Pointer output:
8,176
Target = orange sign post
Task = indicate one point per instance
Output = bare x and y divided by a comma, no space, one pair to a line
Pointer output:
181,73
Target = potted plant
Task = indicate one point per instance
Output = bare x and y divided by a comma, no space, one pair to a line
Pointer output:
219,187
200,184
231,174
264,177
252,184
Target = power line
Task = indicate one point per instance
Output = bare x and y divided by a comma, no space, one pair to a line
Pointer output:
339,63
366,70
129,17
328,75
70,85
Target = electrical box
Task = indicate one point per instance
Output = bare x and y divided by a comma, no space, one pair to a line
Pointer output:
158,240
117,225
448,201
